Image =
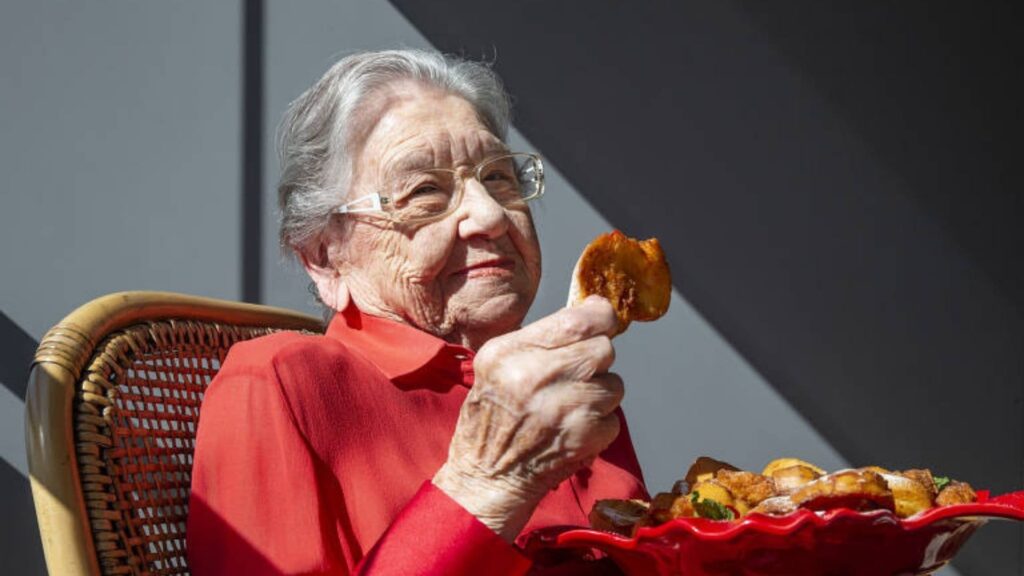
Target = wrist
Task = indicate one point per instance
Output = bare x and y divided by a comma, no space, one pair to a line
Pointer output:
499,505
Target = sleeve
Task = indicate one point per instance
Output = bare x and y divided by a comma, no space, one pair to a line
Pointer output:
259,504
434,535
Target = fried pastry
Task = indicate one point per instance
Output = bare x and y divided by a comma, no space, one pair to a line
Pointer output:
792,478
855,489
632,274
750,488
717,490
956,493
910,496
926,479
775,506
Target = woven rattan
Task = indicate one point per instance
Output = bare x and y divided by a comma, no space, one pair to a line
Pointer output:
135,421
133,395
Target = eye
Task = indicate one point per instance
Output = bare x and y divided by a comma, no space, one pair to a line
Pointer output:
425,189
424,185
499,174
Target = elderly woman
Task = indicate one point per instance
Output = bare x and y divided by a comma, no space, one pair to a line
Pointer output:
427,430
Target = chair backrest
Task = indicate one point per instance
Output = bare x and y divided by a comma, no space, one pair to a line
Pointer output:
113,402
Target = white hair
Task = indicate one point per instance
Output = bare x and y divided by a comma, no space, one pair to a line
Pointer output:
315,138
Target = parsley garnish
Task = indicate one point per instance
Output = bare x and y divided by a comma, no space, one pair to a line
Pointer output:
941,482
708,508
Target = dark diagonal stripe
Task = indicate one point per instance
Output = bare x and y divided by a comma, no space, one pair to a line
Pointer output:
20,545
252,150
16,351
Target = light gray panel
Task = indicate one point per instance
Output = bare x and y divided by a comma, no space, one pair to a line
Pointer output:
120,156
119,149
12,429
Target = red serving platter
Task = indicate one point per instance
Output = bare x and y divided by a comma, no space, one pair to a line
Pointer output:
838,542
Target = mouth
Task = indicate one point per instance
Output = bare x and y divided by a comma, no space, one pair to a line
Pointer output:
490,267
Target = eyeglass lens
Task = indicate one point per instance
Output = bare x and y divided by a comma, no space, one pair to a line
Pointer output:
426,193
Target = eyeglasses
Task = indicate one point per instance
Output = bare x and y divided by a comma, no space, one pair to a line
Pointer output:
426,195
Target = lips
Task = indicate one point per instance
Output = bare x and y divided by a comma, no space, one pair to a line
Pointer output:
492,266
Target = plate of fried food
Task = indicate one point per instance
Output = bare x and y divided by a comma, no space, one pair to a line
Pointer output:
791,519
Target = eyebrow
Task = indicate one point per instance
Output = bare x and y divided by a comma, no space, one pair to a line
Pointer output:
424,161
496,149
411,163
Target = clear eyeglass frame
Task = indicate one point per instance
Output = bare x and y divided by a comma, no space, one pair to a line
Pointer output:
378,204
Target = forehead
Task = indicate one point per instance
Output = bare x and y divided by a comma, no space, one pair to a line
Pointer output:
428,129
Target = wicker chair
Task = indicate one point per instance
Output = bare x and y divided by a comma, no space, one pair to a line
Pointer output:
111,412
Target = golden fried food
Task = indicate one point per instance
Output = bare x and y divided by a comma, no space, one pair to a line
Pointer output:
956,493
719,491
855,489
713,490
632,274
750,488
775,506
716,492
909,495
792,478
618,516
925,478
780,463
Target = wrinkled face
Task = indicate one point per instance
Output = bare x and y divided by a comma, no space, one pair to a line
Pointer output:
467,277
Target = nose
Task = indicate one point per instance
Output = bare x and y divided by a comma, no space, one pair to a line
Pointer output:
480,214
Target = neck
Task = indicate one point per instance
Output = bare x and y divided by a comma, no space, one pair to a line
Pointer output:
472,336
473,340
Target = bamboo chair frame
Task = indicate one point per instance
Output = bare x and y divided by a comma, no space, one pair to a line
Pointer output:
112,403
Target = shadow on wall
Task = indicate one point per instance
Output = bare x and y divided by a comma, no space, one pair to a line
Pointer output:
16,351
20,546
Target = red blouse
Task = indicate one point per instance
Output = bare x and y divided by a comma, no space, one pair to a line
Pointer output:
314,455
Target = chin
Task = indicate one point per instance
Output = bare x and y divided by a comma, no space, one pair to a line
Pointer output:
500,313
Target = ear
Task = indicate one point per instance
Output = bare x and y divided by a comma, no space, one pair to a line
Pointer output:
329,283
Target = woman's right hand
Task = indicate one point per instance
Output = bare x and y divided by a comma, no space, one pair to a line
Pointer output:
541,406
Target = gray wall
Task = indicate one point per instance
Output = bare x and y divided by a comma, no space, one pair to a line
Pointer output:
121,156
119,170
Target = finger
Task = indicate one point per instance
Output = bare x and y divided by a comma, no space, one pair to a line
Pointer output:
586,434
612,390
600,395
593,317
605,431
585,400
582,360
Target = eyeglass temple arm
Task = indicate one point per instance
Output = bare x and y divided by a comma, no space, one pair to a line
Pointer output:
349,207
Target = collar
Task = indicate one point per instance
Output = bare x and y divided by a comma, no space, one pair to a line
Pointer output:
399,349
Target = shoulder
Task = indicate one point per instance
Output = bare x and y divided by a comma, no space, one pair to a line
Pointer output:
287,350
303,366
